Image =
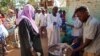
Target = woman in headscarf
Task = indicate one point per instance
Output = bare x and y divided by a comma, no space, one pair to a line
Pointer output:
28,32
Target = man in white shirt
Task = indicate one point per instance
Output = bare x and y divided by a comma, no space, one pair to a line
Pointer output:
43,23
91,33
37,17
53,25
43,31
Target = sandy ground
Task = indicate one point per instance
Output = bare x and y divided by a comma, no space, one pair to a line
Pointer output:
16,52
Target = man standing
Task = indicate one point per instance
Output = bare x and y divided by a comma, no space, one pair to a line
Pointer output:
91,33
37,17
42,23
54,24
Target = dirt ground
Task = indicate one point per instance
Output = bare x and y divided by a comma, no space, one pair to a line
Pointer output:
16,51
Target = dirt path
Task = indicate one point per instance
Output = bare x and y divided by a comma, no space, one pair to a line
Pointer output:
14,52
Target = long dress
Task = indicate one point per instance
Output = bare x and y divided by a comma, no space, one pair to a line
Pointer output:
56,31
54,36
28,39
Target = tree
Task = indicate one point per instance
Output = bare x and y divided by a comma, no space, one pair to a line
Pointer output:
5,4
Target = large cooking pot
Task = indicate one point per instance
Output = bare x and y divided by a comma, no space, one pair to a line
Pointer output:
61,49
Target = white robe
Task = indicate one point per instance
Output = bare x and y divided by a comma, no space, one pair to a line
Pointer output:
42,21
53,30
37,18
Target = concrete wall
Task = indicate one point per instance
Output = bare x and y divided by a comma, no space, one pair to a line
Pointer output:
93,5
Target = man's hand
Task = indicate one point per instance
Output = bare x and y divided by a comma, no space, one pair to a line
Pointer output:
82,46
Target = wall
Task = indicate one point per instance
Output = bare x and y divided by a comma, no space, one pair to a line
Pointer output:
93,5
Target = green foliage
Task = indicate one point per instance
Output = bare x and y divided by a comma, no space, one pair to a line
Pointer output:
4,5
